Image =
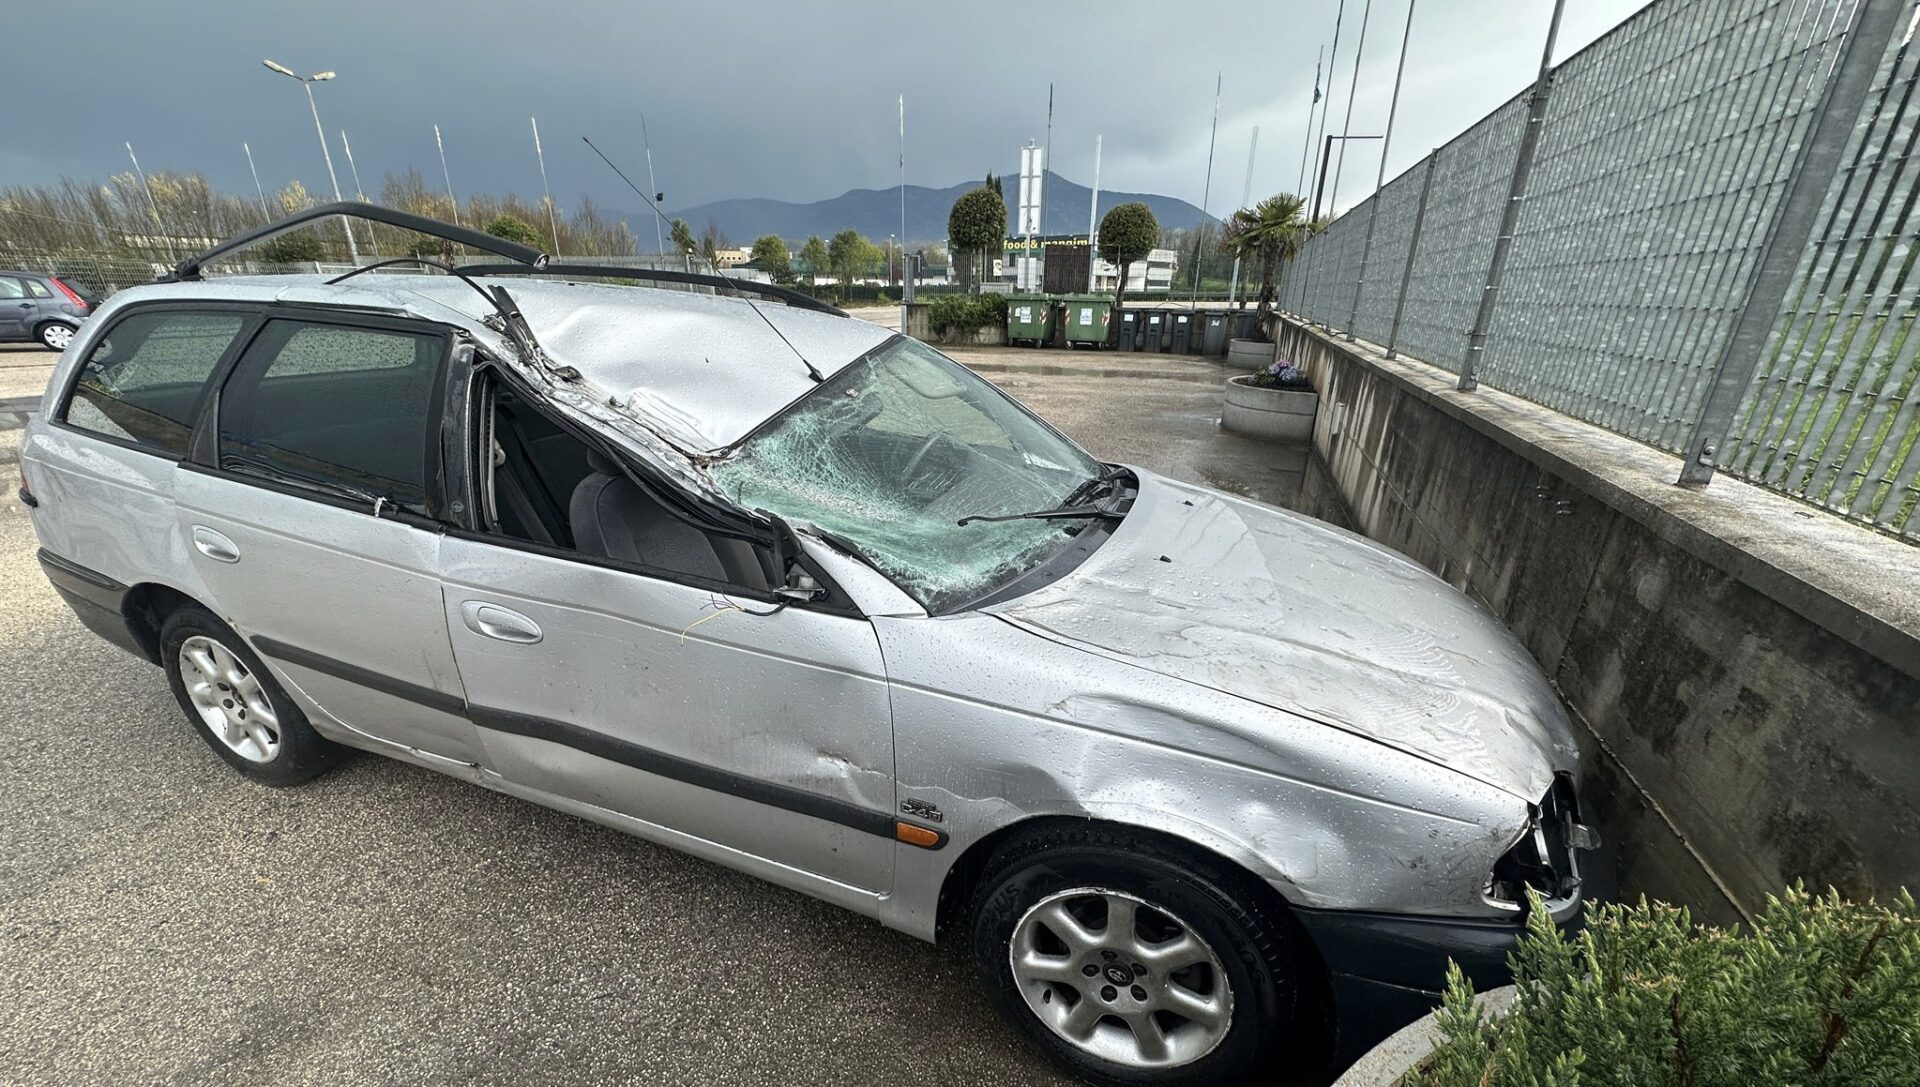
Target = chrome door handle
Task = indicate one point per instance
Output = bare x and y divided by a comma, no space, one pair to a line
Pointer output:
503,624
214,545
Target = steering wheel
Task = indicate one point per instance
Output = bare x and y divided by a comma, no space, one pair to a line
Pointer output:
920,454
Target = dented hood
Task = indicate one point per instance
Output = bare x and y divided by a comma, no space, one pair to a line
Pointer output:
1306,618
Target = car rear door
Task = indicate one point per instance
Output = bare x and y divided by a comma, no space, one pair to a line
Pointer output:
16,309
310,508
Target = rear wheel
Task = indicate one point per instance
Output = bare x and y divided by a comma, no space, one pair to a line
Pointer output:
1131,960
55,336
235,704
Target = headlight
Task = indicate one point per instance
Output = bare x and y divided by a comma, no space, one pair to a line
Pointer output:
1544,858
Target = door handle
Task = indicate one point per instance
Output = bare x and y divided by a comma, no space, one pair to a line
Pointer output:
214,545
502,624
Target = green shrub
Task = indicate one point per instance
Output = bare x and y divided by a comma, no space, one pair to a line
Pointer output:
967,311
298,247
1821,992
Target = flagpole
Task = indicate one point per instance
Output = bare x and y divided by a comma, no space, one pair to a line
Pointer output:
257,190
553,223
1246,197
445,176
1306,149
1333,62
1206,195
906,267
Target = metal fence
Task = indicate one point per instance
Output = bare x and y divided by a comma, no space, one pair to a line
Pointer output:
1664,156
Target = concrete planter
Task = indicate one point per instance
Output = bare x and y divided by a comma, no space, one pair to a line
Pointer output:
984,336
1386,1064
1277,415
1251,355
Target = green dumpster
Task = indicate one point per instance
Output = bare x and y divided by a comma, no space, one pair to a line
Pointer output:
1088,319
1030,319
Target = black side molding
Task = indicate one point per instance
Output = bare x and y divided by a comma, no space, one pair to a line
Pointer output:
353,673
661,764
601,745
62,569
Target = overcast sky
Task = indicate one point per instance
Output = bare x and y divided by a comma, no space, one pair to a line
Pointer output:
744,99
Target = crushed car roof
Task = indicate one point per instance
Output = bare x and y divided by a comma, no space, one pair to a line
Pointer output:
700,370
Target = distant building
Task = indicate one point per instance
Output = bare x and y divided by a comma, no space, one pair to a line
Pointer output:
1155,274
732,258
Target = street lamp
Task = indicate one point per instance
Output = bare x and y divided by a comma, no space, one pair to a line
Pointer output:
308,82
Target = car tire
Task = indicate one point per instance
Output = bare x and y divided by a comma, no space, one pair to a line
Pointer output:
236,705
1248,981
54,335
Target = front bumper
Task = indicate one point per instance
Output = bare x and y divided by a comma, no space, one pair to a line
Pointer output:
1386,970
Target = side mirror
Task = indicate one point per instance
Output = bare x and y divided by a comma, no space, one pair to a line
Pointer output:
800,586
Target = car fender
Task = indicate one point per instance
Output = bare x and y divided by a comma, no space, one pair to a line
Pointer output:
994,726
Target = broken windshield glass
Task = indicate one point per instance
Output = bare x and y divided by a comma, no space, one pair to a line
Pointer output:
893,451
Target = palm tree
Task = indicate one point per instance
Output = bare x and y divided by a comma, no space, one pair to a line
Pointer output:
1271,231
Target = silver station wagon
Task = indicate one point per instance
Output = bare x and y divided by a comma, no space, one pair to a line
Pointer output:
1208,791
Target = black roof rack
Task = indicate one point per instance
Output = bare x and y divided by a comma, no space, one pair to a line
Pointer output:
659,275
190,268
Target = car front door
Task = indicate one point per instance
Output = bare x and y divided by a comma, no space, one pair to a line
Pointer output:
687,702
309,509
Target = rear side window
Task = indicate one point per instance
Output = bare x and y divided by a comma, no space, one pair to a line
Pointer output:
37,288
11,288
348,410
142,381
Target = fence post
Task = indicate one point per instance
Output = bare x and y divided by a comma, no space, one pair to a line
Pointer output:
1874,24
1510,215
1413,250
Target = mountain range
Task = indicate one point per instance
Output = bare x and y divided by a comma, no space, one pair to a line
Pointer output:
876,212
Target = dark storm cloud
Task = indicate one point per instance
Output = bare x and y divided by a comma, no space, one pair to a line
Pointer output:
778,100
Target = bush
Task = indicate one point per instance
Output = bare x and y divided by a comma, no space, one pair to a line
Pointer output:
1821,991
298,247
967,311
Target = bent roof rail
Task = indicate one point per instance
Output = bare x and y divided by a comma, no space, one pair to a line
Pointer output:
660,275
189,269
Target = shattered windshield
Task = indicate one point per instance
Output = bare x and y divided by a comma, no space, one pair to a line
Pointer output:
894,450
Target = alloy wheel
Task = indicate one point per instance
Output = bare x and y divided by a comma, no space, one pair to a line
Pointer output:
1120,978
230,699
56,336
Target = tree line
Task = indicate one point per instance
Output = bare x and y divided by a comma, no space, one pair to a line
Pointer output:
173,214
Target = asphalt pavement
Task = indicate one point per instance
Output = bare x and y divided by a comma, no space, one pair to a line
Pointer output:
164,921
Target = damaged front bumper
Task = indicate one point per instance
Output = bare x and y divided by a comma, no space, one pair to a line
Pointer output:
1385,970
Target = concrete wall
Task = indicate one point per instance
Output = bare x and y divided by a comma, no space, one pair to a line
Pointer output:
1745,668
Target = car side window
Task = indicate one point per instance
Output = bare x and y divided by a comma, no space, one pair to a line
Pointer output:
37,288
11,288
543,485
340,408
141,382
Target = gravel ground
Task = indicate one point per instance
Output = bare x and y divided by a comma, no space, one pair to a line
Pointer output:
162,920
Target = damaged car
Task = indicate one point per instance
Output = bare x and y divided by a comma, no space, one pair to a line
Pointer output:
1207,790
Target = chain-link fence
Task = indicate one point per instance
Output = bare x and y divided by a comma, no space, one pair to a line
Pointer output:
1664,152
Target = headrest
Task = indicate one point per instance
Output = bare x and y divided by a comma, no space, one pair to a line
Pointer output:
603,464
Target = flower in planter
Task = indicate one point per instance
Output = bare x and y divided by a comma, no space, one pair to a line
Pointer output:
1283,374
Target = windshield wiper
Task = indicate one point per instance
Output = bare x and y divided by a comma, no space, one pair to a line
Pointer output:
1084,491
1057,513
1074,505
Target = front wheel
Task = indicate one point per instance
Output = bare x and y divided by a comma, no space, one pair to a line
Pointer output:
1133,961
